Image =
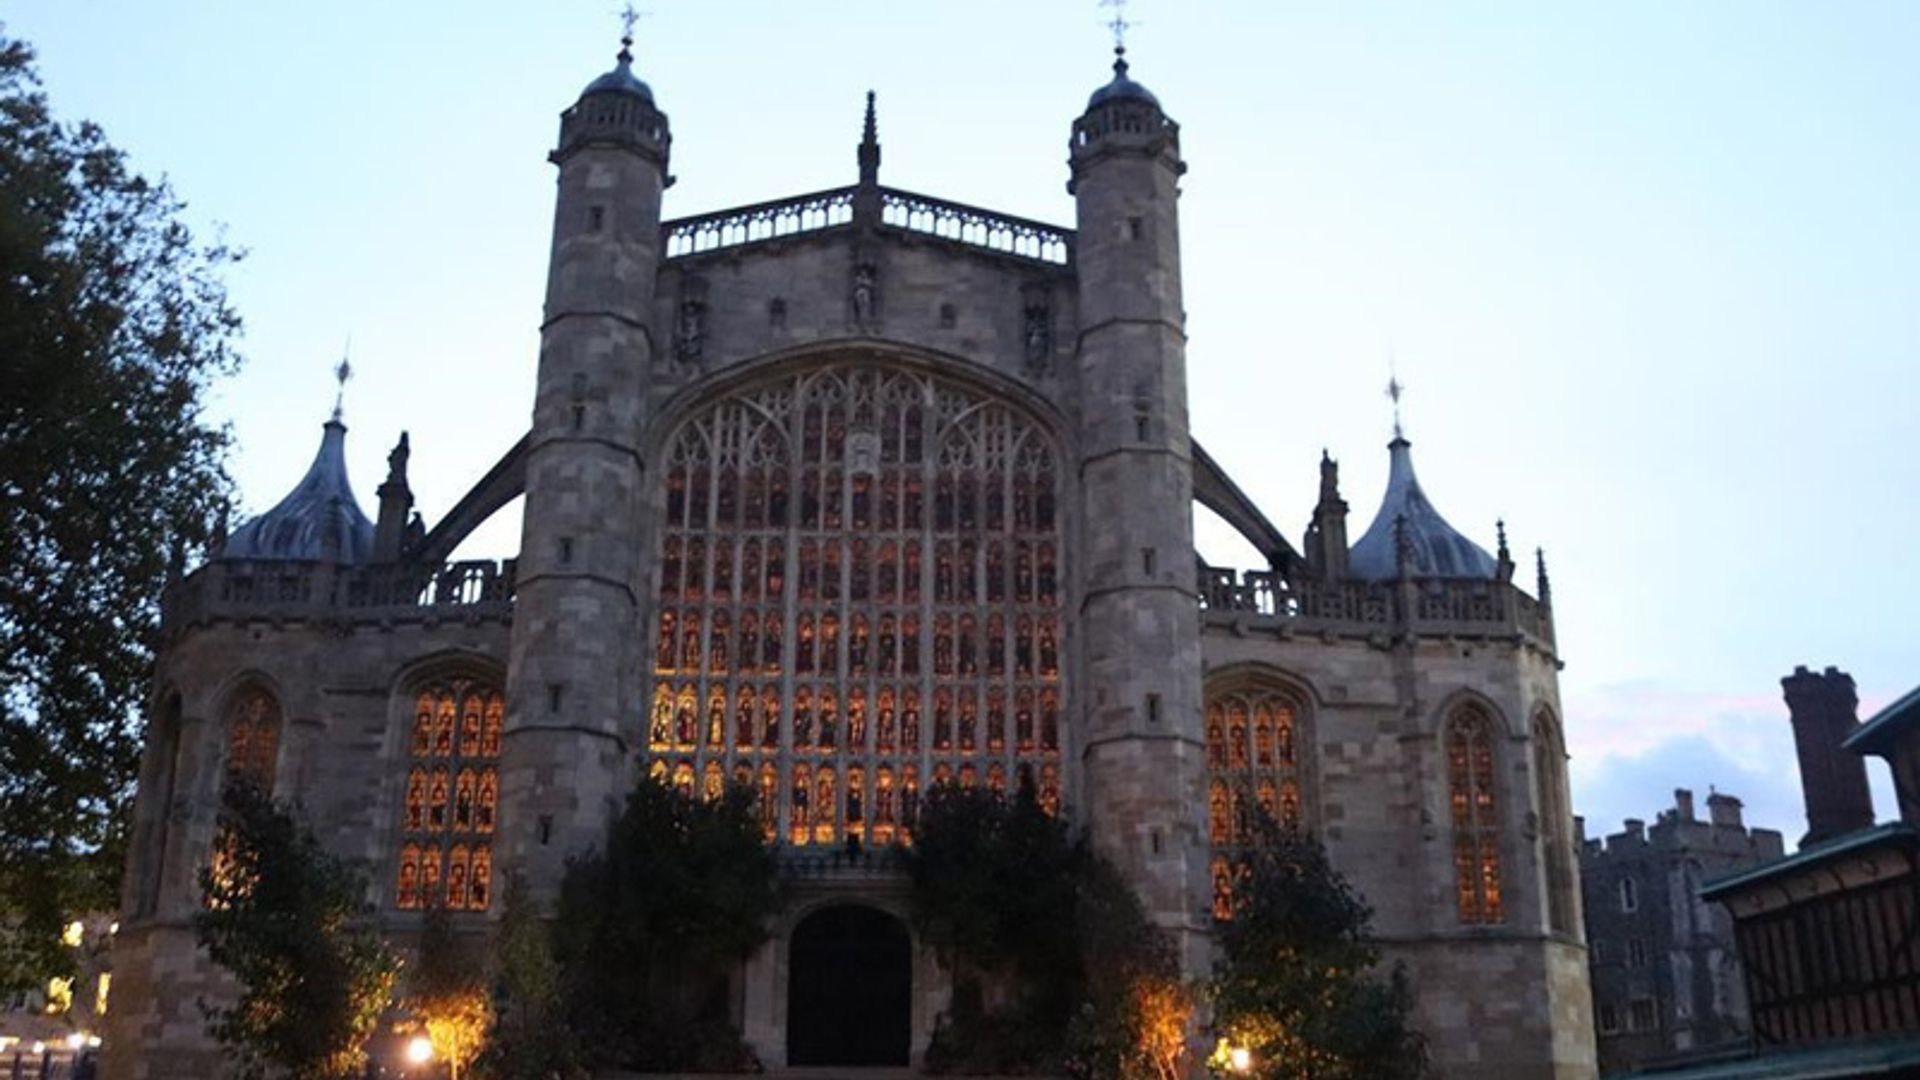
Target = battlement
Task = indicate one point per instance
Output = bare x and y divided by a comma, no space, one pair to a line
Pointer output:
964,226
238,589
1423,607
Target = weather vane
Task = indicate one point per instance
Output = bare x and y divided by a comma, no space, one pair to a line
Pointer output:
629,17
1119,24
1395,388
341,373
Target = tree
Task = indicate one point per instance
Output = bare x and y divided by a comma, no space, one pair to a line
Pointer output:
113,322
1054,961
647,931
530,1039
447,993
1293,980
280,916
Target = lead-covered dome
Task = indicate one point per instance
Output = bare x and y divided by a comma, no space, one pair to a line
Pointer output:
1435,548
318,519
1122,88
621,80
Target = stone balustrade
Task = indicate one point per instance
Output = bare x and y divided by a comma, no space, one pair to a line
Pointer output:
1423,607
923,215
234,589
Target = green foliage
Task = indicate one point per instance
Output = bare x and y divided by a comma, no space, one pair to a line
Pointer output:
530,1039
113,322
1293,976
1055,964
447,993
647,930
279,915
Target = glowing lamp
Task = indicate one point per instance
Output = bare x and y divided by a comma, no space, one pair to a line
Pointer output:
419,1050
1241,1059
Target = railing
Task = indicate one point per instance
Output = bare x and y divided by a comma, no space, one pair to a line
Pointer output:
922,214
976,228
1423,606
231,588
758,223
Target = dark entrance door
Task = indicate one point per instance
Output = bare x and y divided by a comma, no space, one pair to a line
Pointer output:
849,988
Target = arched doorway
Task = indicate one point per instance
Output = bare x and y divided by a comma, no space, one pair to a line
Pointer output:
849,988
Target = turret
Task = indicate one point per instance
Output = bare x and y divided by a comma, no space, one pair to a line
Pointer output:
568,749
318,520
1143,763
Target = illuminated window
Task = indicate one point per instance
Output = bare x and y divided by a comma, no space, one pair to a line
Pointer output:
253,738
451,800
1251,770
1475,811
918,523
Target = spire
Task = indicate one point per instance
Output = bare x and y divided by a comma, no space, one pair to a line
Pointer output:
1503,557
1438,549
1543,591
318,519
1327,535
870,148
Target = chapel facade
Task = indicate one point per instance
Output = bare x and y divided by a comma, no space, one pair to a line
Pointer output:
843,496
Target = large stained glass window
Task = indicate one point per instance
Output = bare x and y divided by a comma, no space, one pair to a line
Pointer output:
1253,767
253,738
451,803
859,596
1475,808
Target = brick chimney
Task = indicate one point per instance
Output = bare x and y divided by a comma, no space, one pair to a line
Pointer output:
1823,707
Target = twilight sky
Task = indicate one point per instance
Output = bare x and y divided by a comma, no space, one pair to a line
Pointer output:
1650,271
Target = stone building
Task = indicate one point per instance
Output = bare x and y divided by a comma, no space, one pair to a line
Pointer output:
846,495
1666,977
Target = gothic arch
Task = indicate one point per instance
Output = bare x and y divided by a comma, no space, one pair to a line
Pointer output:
448,714
251,732
861,579
1467,695
1474,765
1553,805
1256,724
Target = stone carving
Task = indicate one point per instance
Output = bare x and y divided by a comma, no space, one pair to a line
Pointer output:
866,294
690,326
1036,327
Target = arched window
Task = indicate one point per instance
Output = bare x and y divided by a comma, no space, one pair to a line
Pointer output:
1473,799
253,738
450,807
922,635
1550,782
1251,771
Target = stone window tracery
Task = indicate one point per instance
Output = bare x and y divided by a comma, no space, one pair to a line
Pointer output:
872,556
1550,782
253,738
452,797
1251,769
1474,806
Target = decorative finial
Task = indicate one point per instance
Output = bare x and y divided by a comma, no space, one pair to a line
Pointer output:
1395,389
1119,25
869,155
1500,529
341,373
629,16
1541,585
871,132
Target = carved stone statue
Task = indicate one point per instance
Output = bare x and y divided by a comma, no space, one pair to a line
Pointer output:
866,287
1039,338
690,335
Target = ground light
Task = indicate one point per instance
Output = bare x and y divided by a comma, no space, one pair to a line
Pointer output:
1241,1058
419,1050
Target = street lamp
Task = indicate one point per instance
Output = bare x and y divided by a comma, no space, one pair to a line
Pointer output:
1241,1059
419,1050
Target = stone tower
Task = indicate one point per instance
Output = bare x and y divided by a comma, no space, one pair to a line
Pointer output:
1823,707
567,753
1143,755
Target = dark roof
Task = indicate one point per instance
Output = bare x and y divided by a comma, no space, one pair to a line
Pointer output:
621,80
1890,833
1122,88
318,519
1876,736
1439,550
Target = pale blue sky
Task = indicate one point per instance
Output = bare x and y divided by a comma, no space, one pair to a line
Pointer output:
1650,270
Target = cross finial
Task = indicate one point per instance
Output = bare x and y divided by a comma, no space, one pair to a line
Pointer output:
341,373
1118,24
629,17
1395,389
